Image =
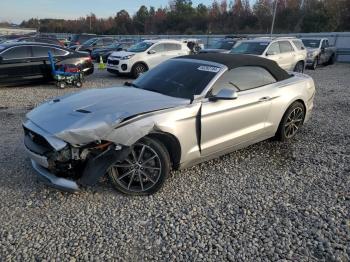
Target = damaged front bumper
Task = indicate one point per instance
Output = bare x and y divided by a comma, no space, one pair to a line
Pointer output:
69,168
54,181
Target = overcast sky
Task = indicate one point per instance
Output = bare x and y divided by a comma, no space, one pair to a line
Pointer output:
17,10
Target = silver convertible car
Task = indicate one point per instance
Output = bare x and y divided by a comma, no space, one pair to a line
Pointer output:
187,110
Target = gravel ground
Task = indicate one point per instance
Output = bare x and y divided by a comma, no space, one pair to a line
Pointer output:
270,201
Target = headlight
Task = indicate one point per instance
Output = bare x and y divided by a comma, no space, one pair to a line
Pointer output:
127,57
312,54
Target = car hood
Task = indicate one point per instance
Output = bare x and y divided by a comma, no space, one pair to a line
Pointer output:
101,50
91,115
311,50
213,50
122,53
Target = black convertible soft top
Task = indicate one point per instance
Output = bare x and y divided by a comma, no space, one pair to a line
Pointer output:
236,60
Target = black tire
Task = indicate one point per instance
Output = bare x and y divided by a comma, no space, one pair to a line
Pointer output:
61,84
144,171
138,69
315,63
78,84
291,122
299,67
331,60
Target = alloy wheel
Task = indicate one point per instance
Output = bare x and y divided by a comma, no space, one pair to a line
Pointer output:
299,68
294,121
140,171
140,69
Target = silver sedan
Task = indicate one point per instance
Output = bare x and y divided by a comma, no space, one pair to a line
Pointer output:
187,110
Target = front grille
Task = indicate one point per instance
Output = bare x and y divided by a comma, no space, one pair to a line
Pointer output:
113,62
37,139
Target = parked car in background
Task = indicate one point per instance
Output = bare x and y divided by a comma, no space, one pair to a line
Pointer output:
23,61
319,52
5,38
145,55
107,50
94,43
53,41
188,110
288,52
221,46
78,39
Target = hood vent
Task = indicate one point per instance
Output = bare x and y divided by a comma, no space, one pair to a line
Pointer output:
83,111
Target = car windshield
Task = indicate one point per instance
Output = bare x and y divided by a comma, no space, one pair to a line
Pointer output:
313,43
178,78
140,47
227,45
90,41
253,48
114,45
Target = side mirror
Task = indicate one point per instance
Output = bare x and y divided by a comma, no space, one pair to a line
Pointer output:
271,53
151,52
224,94
322,49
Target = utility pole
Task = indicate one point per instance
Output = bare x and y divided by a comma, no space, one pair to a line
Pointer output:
273,17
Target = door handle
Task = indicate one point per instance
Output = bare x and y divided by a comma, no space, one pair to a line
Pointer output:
264,99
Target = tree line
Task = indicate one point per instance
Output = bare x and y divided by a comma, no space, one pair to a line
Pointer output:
221,17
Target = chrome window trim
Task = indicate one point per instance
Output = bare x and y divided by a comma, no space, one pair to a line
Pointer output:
12,47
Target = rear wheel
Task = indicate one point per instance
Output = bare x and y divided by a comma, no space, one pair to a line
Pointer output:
138,69
291,122
145,169
299,67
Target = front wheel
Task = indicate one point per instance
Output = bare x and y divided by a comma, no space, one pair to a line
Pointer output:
299,67
331,60
138,70
315,63
144,170
291,122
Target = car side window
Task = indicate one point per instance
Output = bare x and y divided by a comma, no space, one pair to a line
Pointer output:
107,41
17,53
323,43
326,43
274,49
298,44
40,51
58,52
158,48
172,47
243,78
285,47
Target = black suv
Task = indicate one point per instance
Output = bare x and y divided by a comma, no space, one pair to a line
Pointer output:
78,39
29,61
221,46
94,43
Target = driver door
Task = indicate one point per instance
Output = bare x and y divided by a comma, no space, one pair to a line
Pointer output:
229,123
153,59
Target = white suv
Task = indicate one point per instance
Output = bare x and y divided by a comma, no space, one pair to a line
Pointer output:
145,55
288,52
